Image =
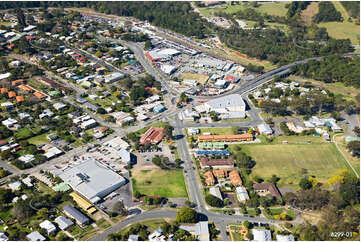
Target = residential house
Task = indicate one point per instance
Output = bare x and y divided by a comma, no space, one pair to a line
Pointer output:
221,173
235,178
59,106
216,163
48,226
7,105
74,213
242,194
209,178
35,236
266,188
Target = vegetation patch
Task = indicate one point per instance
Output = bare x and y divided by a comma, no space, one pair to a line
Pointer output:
165,183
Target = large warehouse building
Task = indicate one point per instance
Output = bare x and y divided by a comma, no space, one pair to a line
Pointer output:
232,106
92,180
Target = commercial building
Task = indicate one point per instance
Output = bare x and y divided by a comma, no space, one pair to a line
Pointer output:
152,136
225,138
116,76
265,129
223,105
266,188
84,204
75,214
122,118
188,115
117,143
192,131
199,230
91,179
216,163
168,69
242,194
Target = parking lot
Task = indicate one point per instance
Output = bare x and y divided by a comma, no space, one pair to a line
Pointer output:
124,194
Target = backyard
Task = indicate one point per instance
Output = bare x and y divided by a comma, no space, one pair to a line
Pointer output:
166,183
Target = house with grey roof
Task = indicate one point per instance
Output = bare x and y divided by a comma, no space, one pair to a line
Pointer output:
74,213
63,222
35,236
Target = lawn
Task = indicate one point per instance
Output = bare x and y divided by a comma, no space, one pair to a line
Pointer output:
343,30
103,224
354,160
166,183
288,161
39,140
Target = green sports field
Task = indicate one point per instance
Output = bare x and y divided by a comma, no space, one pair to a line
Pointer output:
288,161
166,183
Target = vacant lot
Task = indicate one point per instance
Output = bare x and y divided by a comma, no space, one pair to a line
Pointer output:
288,161
202,79
166,183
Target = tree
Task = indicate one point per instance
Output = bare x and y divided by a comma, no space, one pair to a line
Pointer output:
120,208
356,130
21,17
6,155
305,183
354,147
22,210
147,45
137,194
246,224
168,131
214,201
186,215
6,195
101,110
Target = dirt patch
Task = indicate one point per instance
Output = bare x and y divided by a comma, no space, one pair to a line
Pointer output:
309,12
246,57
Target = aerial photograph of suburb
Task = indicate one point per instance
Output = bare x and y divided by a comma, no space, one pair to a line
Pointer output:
180,120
